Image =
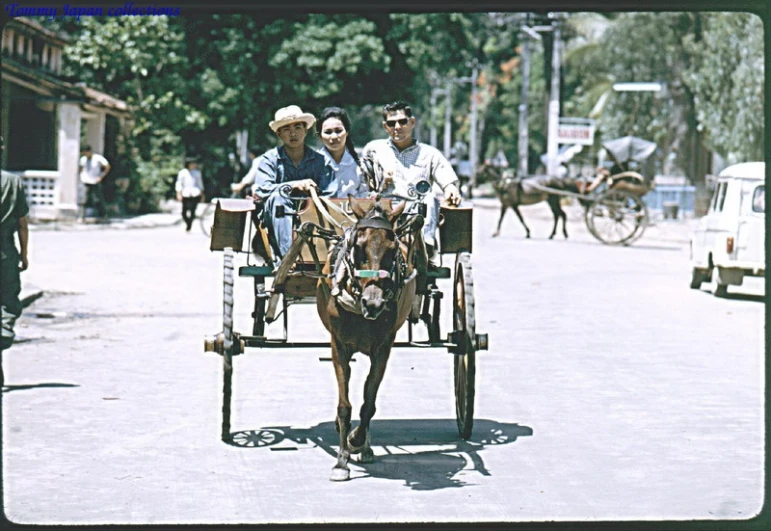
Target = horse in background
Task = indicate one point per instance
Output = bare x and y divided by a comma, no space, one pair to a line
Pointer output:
514,192
368,302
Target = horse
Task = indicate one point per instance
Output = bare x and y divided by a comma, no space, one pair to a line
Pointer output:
514,192
368,302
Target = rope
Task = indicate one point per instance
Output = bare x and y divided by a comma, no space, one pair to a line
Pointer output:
323,209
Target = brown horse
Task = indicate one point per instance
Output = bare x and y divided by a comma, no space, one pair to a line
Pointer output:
514,193
369,300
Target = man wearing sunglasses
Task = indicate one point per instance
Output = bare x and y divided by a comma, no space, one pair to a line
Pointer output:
412,161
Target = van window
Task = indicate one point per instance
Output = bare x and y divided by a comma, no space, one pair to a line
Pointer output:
713,202
721,199
759,199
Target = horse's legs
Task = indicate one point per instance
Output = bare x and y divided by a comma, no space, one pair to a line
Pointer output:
358,441
341,358
504,206
521,219
554,205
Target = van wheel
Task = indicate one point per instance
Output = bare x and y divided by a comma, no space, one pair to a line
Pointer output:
697,277
721,290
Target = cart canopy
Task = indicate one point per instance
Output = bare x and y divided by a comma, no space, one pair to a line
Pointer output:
629,148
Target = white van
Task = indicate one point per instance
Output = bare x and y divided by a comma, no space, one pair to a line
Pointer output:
730,239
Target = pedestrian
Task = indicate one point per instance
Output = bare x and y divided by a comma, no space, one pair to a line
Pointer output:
93,169
248,179
292,163
13,260
412,161
189,187
333,127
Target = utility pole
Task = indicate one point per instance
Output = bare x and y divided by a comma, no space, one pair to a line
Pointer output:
447,121
522,169
433,116
552,145
473,133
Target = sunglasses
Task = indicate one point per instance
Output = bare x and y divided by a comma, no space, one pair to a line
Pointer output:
392,123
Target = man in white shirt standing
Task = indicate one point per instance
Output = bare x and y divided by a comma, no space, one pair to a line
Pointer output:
93,168
189,187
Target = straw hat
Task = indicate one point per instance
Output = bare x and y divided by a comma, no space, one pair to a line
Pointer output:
289,115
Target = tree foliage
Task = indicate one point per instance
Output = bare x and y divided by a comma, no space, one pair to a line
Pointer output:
726,78
194,81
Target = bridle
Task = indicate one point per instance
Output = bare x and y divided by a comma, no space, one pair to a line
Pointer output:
391,281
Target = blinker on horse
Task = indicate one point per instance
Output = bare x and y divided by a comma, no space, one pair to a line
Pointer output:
363,308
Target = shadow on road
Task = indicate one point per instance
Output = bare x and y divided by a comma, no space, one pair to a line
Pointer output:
738,296
409,446
9,388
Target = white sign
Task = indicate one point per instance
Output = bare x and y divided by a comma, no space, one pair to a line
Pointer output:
576,133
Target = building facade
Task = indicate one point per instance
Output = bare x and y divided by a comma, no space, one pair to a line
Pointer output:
46,119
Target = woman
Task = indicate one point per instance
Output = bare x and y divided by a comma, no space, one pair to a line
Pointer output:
333,127
189,187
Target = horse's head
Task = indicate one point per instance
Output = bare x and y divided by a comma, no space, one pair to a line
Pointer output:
502,181
374,255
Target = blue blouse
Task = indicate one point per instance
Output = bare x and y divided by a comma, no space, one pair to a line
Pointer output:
347,175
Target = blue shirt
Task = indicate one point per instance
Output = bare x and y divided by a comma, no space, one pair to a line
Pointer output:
347,175
277,168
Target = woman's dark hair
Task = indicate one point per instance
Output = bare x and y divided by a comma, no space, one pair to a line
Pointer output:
340,114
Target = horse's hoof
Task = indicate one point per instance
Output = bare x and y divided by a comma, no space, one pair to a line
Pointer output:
495,235
366,456
340,474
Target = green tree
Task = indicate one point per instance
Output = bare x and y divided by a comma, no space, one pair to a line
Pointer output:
726,78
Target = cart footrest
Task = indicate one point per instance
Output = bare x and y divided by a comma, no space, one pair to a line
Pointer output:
439,272
255,271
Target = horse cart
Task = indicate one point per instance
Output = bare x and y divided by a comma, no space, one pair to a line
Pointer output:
319,224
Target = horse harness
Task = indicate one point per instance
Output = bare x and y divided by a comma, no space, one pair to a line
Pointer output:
346,287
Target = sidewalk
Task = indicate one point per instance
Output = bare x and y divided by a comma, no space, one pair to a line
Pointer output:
171,214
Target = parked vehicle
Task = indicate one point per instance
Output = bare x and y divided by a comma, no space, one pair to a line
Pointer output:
730,239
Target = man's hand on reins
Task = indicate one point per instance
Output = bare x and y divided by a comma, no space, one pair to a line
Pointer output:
304,185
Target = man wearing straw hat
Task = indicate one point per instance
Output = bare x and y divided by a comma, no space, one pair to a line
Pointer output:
292,163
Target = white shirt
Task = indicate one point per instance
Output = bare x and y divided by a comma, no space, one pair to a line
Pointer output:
91,169
418,161
189,182
348,175
249,177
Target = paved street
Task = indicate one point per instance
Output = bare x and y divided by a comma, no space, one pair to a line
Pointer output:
611,391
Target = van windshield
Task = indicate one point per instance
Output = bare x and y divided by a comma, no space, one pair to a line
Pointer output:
759,199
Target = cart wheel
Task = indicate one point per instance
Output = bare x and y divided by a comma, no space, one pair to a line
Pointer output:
227,332
617,217
464,325
258,329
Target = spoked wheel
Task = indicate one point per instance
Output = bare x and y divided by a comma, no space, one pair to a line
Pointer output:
464,324
227,332
617,217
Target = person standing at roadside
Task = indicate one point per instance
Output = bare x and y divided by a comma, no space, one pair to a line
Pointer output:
13,260
189,187
93,169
